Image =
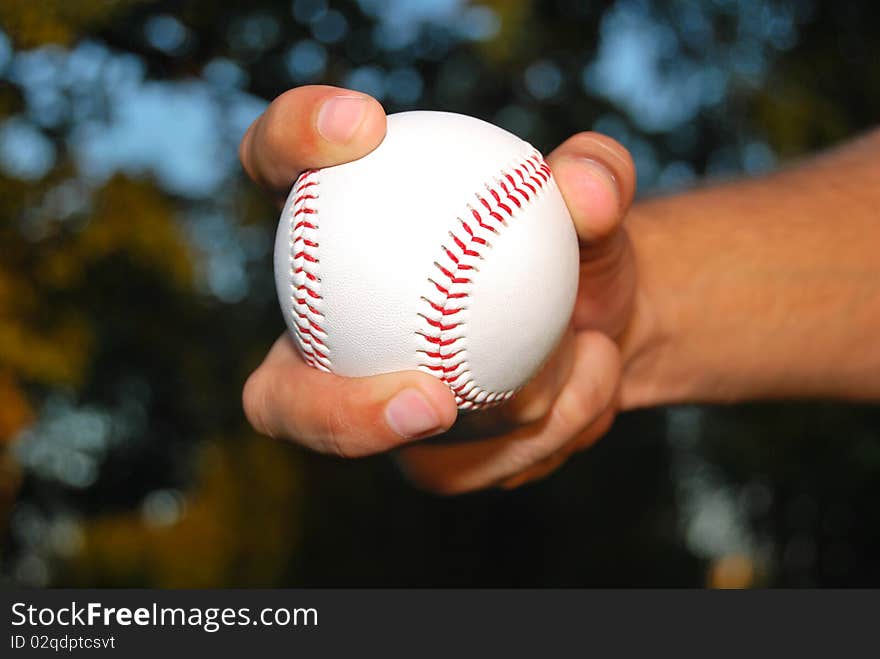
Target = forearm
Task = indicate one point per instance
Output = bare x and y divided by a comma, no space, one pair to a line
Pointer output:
765,288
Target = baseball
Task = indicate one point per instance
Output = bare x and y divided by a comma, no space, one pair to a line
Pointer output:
448,249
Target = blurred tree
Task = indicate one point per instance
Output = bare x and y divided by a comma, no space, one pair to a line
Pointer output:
198,542
57,21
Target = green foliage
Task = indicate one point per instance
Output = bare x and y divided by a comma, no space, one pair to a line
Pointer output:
57,21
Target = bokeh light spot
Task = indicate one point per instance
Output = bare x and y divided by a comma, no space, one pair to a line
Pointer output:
167,34
306,60
330,28
404,85
367,79
543,79
306,11
25,152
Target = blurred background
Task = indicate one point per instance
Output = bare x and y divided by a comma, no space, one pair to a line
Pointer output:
136,295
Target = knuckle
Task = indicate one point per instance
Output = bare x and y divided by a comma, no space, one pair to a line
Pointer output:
287,103
598,429
274,132
531,407
619,156
523,456
285,97
588,138
602,140
347,425
443,487
336,435
254,402
536,473
244,146
576,407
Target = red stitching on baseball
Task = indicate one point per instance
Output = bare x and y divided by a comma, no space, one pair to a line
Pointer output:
451,276
446,291
480,221
445,369
438,354
524,182
305,280
451,255
439,325
492,213
533,170
470,232
311,322
516,188
454,266
464,249
501,205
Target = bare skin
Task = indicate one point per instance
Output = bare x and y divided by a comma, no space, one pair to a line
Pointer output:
761,289
756,289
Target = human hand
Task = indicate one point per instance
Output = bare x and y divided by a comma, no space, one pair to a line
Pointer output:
566,407
574,399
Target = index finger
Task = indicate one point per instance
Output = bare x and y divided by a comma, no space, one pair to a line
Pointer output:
350,417
309,127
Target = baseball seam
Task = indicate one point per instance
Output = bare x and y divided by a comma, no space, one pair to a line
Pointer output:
305,283
444,353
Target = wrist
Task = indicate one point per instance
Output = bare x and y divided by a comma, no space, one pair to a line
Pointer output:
680,343
650,333
758,289
642,347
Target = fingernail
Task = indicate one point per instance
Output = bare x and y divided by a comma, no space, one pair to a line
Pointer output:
340,117
602,173
411,416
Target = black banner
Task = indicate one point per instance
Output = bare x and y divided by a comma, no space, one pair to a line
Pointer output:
449,623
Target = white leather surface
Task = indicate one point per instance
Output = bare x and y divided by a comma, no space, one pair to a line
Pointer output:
382,224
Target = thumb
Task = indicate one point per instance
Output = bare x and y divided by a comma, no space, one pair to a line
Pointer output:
597,178
310,127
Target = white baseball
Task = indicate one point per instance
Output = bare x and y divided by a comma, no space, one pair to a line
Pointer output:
448,249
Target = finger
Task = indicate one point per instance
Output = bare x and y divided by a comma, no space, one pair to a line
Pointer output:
537,472
597,429
309,127
467,466
589,436
528,405
536,398
349,417
597,178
